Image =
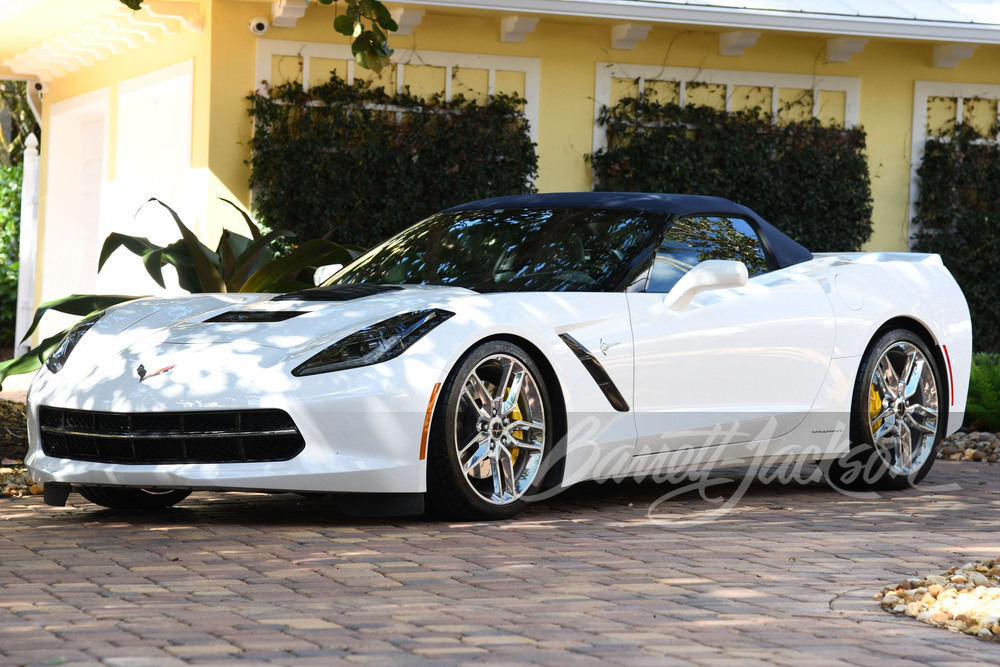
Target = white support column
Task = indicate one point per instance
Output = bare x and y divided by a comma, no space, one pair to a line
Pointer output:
28,234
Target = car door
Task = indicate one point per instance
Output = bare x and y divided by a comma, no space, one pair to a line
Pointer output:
736,364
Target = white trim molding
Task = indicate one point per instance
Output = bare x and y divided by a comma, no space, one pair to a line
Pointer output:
817,18
188,13
110,33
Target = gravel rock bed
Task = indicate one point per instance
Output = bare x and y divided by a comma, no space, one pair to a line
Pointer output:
15,481
972,446
965,599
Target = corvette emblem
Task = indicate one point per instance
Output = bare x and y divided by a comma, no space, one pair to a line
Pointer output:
607,346
143,375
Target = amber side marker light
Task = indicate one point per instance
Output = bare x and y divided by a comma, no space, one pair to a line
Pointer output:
427,421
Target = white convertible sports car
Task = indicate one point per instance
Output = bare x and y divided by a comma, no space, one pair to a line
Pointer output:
503,349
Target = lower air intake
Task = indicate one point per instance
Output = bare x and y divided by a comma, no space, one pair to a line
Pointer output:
138,438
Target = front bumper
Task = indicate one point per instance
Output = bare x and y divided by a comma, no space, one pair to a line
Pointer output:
362,428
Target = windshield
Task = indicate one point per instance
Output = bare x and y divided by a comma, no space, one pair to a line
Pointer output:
520,250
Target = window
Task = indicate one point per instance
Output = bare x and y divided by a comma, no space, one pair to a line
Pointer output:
937,106
692,240
833,100
475,76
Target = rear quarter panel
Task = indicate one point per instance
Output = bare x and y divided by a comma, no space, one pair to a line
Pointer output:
869,290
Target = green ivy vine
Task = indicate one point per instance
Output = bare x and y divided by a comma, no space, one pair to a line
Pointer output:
10,218
958,217
358,164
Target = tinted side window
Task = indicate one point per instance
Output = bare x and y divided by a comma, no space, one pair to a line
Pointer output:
695,239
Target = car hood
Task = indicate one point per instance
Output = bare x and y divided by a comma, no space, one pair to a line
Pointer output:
278,327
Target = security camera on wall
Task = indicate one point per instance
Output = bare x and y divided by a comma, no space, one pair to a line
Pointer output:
259,25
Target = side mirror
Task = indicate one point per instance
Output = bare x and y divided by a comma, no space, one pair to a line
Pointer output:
321,274
710,274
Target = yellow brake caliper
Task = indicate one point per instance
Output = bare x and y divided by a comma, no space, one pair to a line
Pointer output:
874,408
516,415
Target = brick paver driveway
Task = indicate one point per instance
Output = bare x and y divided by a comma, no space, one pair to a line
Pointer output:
785,577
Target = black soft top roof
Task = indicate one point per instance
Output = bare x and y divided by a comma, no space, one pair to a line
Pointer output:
784,250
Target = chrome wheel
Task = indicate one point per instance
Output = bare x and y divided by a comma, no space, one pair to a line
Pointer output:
903,408
491,434
499,429
896,417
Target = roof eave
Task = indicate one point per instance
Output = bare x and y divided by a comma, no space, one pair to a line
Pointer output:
726,17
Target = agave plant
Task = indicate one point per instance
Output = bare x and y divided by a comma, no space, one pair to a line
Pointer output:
238,264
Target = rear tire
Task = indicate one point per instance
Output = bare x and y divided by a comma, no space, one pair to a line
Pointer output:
490,435
118,498
897,420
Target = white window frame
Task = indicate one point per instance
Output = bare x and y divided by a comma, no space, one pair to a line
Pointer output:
850,86
267,49
922,92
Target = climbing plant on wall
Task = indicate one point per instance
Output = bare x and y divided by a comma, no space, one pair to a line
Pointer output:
358,164
958,217
10,218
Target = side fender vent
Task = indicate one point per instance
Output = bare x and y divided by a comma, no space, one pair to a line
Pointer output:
597,372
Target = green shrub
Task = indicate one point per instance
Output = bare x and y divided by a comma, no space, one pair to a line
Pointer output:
958,217
808,180
357,164
10,219
983,404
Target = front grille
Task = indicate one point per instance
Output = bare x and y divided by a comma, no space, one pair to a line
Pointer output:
145,438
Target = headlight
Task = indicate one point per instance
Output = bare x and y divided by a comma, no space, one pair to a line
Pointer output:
57,359
372,345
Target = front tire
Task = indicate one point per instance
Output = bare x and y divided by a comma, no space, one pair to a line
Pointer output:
490,435
131,498
896,421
